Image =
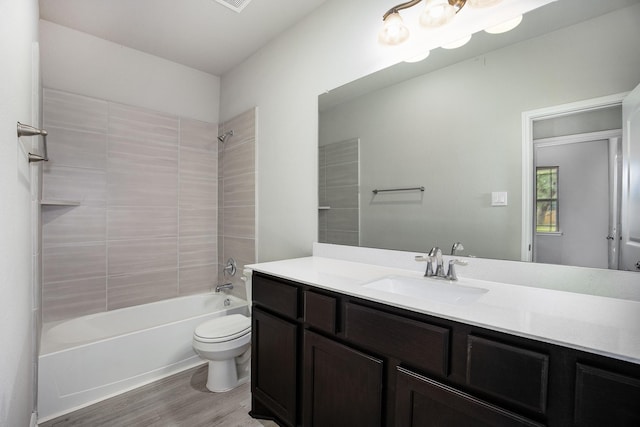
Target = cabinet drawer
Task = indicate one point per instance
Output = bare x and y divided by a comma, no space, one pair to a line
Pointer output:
511,373
606,398
320,311
275,295
417,344
422,402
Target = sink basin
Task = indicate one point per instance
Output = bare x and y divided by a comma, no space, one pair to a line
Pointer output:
428,289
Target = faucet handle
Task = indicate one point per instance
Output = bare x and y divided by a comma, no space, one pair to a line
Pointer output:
451,274
429,260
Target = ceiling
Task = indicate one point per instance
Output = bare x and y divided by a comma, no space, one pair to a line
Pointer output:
201,34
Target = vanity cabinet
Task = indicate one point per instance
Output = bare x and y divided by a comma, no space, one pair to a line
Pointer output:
274,352
322,358
341,386
606,398
423,402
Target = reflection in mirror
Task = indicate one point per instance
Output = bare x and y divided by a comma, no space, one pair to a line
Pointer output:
453,124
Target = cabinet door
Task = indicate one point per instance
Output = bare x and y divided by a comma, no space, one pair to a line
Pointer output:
422,402
606,398
342,386
273,367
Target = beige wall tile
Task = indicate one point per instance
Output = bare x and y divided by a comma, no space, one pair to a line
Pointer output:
78,184
73,262
199,135
150,193
142,124
141,288
131,155
198,221
199,164
131,222
128,257
243,126
238,160
68,299
63,225
68,147
141,188
239,190
198,279
65,110
198,193
198,250
239,222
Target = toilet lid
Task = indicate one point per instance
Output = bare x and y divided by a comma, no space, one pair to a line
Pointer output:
225,328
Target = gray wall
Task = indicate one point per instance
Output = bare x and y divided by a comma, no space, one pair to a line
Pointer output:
18,278
457,131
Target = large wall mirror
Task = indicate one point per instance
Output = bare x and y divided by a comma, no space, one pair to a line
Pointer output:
449,130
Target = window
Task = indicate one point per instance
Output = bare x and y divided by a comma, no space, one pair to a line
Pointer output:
547,199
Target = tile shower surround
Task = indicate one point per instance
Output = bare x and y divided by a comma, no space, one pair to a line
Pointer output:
147,225
338,188
237,175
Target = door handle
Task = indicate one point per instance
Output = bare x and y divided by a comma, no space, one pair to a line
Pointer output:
610,237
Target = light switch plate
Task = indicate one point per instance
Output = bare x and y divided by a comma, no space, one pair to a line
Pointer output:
499,198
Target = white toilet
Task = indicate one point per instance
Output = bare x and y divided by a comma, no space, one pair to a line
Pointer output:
226,343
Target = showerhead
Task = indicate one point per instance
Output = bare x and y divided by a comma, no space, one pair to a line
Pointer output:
225,136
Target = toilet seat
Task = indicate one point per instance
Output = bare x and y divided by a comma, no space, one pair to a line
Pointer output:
222,329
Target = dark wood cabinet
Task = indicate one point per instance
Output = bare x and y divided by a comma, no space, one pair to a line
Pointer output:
510,373
341,386
605,398
322,358
423,402
273,367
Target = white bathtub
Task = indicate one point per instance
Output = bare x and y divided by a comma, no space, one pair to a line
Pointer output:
90,358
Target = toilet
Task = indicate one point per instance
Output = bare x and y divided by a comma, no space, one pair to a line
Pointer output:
226,343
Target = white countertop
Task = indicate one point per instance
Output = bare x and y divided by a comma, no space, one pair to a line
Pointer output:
593,323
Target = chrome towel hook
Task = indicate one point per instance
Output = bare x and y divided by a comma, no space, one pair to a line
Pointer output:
26,130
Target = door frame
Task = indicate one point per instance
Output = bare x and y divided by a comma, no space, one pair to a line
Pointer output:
528,119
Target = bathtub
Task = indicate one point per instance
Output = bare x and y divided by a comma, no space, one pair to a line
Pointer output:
91,358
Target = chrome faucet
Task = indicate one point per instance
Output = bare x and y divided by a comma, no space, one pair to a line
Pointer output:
226,286
435,254
451,273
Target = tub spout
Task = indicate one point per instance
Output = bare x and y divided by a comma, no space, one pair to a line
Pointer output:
226,286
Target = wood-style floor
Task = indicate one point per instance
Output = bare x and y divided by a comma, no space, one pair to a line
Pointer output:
180,400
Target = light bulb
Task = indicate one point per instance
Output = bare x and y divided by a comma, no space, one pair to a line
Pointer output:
393,30
505,26
437,13
457,43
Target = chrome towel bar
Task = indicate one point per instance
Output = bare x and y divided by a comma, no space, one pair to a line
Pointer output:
26,130
376,191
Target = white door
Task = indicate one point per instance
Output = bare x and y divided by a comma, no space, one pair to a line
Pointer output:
581,198
630,244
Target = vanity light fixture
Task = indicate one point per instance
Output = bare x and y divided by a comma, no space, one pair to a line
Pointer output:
457,43
435,14
505,26
418,58
393,31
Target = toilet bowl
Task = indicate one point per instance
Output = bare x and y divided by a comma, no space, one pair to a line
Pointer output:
225,342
